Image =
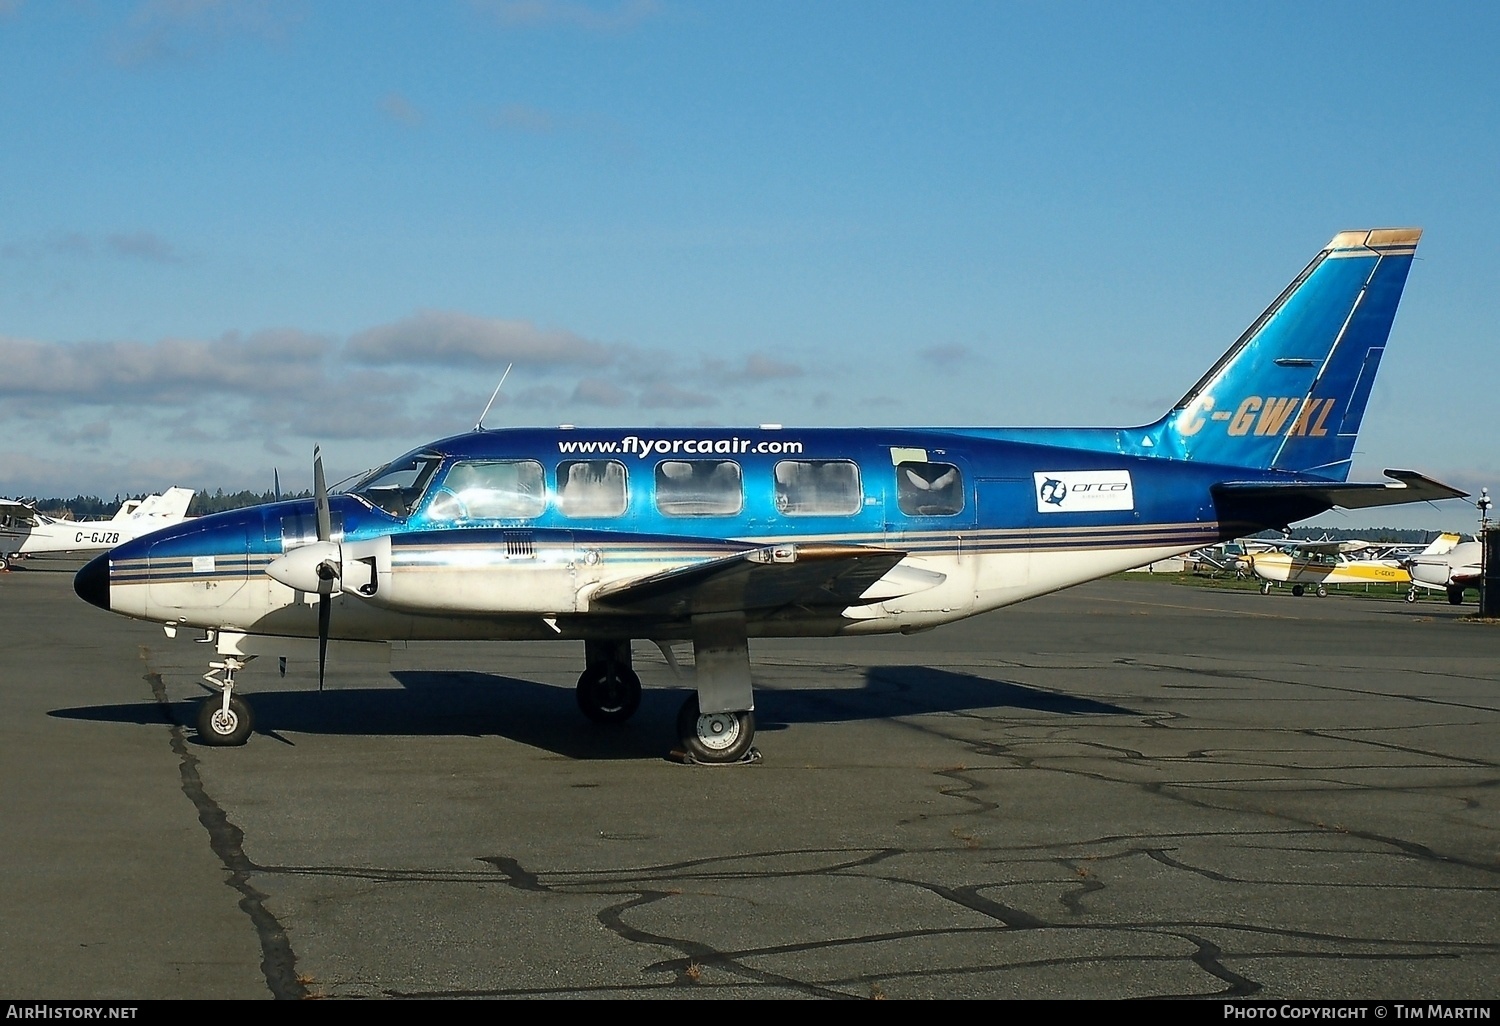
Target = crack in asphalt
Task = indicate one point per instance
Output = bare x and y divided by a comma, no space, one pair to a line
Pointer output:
278,961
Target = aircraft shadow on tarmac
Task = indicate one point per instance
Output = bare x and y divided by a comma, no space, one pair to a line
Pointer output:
466,703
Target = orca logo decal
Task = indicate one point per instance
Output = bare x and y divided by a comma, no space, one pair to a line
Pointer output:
1083,491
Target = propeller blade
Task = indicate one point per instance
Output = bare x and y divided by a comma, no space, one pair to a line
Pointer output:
325,605
320,497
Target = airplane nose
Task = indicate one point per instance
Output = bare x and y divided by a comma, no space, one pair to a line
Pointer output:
92,582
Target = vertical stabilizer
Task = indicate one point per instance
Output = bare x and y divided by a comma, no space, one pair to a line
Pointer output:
1291,392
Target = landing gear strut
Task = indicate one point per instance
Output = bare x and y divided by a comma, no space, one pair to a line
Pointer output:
608,690
225,720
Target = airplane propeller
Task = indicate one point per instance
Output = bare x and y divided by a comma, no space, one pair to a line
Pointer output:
317,567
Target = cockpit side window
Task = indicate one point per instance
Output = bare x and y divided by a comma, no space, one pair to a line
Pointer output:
929,489
490,490
398,487
591,488
687,488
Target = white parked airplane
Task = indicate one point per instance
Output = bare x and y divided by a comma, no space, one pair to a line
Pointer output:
1449,567
25,532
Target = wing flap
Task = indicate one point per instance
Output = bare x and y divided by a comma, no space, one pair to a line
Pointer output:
756,580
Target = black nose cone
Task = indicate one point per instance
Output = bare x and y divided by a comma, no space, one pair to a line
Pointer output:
92,582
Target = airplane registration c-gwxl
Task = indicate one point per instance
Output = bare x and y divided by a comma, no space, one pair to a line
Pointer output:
719,536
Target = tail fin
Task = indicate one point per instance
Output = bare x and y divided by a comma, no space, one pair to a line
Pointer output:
171,504
1290,394
1442,545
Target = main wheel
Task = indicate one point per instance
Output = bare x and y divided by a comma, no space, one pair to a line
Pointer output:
1322,591
220,727
1455,596
1411,593
1297,590
1265,587
609,693
715,737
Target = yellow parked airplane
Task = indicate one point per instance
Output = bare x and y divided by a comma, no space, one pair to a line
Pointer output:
1318,564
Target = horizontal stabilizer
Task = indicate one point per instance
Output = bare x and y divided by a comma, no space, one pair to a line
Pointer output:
756,580
1404,486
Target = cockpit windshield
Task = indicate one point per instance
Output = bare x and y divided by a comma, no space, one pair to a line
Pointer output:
397,487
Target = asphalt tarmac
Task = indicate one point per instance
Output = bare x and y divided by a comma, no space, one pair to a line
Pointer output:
1131,789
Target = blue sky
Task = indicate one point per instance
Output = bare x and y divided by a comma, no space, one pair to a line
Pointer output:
231,230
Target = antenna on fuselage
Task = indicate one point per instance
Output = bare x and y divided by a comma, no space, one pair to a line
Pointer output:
479,424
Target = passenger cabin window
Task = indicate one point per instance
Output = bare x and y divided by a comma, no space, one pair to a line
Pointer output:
397,487
929,489
490,490
689,488
817,488
591,488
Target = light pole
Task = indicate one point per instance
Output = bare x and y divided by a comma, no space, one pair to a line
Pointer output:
1489,601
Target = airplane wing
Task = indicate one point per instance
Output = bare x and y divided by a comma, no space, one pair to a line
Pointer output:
1404,486
756,580
1330,548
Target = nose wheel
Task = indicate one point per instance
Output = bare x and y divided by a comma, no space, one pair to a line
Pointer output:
224,721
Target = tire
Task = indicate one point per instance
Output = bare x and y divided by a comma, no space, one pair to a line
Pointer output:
224,730
718,737
1322,591
1297,590
1411,593
609,694
1455,596
1265,587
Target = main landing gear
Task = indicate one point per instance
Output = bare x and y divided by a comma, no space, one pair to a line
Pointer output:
608,690
716,724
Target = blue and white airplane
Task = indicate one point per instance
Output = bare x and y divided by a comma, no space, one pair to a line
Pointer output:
719,536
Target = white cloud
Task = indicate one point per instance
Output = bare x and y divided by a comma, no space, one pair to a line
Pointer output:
447,338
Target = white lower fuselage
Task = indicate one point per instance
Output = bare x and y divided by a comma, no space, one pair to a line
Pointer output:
455,595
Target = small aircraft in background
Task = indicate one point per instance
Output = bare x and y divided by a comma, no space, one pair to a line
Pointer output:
715,536
1317,564
25,532
1447,565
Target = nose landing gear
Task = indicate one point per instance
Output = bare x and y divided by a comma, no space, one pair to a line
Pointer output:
225,720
